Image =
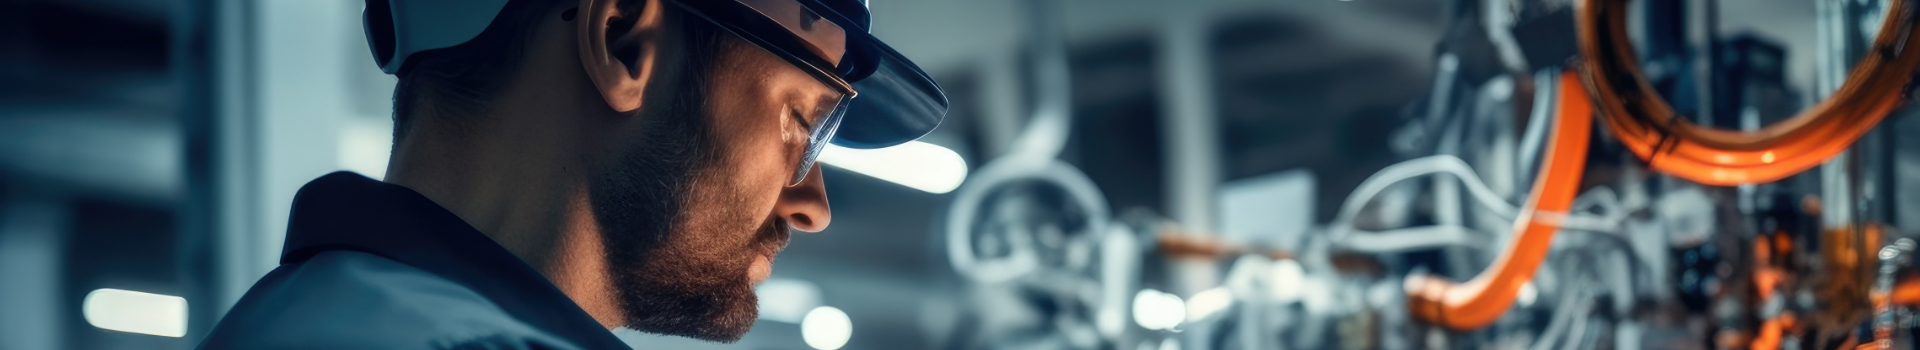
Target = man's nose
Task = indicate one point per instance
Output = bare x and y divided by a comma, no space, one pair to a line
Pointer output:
804,206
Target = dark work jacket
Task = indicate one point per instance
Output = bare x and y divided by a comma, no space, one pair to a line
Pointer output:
372,265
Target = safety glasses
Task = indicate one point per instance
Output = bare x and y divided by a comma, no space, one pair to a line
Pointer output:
791,31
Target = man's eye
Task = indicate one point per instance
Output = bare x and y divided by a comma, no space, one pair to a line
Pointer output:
801,118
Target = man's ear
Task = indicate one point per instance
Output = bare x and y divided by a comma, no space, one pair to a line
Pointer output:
619,42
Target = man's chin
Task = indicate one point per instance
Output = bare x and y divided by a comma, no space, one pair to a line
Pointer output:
718,332
727,325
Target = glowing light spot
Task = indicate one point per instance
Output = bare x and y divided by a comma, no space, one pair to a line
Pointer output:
920,165
1207,303
136,312
1288,280
1528,294
1170,343
1158,310
826,328
1767,157
787,300
364,148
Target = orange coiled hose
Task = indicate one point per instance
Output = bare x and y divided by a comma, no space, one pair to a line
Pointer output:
1478,302
1637,115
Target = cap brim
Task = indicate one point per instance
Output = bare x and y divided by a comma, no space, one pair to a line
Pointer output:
897,103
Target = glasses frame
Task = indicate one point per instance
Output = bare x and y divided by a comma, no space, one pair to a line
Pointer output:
749,24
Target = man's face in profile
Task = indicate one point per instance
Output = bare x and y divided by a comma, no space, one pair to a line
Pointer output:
688,211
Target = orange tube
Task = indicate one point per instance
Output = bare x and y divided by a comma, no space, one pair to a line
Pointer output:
1478,302
1906,292
1770,333
1644,122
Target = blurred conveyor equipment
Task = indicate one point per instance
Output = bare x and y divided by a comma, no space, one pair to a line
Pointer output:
1564,185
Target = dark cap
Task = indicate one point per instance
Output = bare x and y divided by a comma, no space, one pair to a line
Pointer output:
897,102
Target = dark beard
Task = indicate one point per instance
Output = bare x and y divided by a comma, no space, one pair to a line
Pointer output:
673,274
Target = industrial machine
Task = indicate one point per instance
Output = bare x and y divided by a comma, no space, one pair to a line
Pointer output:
1573,180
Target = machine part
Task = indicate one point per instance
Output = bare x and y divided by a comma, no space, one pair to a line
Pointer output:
970,220
1772,331
1051,120
1650,128
1345,236
1538,117
1698,281
1843,286
1906,292
1891,258
1594,274
1385,178
1542,37
1032,160
1119,275
1176,244
1574,305
1476,303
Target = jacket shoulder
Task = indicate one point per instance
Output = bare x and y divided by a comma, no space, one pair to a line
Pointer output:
347,299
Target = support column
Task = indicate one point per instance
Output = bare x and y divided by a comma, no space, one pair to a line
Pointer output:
32,239
1190,119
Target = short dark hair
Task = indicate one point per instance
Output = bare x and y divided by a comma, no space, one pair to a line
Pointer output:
463,80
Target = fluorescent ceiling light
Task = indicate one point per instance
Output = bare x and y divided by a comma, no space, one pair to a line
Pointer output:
826,328
920,165
136,312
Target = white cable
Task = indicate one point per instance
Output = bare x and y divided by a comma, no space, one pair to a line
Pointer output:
1579,336
1612,212
1571,314
1407,239
1558,323
1380,181
1341,231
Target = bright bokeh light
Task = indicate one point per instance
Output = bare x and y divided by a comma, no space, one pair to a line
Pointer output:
826,328
1170,344
1289,279
364,148
786,300
1153,309
920,165
136,312
1208,302
1528,294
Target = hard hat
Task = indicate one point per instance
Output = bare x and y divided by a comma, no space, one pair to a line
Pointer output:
897,101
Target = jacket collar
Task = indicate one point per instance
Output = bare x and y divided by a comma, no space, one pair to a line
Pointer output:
346,211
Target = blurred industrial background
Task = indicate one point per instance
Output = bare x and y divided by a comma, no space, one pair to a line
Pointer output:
1137,175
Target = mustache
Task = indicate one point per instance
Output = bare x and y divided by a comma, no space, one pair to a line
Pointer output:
772,237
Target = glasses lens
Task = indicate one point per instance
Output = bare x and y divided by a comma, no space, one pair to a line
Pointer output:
818,138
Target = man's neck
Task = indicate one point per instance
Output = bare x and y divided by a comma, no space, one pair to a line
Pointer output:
528,199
